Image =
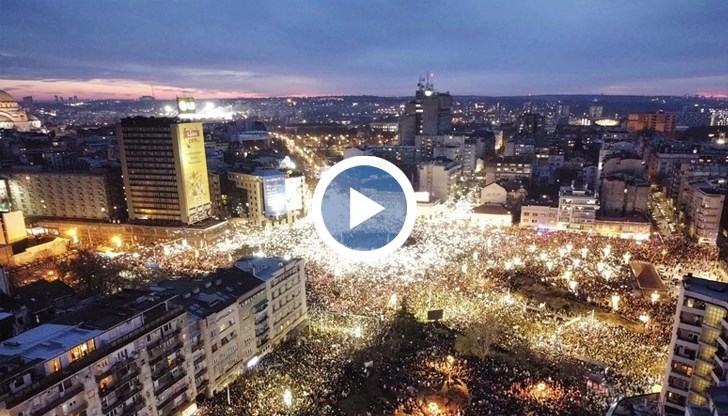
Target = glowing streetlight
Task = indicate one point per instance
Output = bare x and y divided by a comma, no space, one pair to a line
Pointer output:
654,297
117,241
644,318
73,233
615,302
288,398
393,300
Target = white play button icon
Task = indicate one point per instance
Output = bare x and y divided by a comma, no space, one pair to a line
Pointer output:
361,208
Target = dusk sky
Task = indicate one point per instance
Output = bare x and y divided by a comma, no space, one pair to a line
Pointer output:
105,49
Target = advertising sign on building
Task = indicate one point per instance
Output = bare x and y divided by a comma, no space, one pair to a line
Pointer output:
274,194
193,185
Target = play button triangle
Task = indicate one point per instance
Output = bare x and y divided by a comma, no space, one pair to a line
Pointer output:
361,208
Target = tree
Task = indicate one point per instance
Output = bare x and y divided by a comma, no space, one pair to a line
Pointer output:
478,339
92,274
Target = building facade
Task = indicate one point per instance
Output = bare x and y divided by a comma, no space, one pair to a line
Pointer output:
271,197
438,178
430,114
164,169
577,209
539,216
90,196
703,211
698,352
658,122
125,355
153,352
508,168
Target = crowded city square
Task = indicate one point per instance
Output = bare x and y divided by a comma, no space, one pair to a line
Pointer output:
533,322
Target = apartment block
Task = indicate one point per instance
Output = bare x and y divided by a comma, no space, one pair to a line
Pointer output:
698,352
238,315
153,352
126,354
91,196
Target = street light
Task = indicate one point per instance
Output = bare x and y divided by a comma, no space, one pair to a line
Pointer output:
288,398
117,241
73,233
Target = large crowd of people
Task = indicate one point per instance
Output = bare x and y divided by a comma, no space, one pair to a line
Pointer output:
575,332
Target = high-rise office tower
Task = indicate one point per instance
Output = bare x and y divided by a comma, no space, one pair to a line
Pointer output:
698,355
596,111
164,168
430,114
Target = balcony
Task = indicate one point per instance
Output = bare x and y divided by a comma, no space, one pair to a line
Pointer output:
198,360
261,319
116,367
260,306
48,381
134,408
685,354
683,337
57,402
167,368
173,410
170,399
202,385
261,331
165,382
119,381
694,320
79,410
165,336
719,374
122,396
164,353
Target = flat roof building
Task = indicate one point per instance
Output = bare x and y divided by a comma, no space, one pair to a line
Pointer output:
164,169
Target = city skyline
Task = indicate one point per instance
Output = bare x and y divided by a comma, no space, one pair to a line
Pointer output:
375,48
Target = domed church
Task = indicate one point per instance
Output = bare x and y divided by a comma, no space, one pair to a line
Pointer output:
12,116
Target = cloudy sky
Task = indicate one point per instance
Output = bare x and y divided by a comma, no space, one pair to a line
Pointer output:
105,48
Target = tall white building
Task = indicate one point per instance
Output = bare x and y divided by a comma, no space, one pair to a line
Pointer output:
438,178
695,379
577,209
703,211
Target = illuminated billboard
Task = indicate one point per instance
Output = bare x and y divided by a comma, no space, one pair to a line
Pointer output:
191,165
186,105
13,227
274,193
294,197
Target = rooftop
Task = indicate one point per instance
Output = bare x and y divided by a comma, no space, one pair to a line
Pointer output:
46,341
263,267
708,288
211,294
648,279
491,209
107,312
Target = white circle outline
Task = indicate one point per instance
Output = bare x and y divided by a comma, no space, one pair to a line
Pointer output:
409,194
